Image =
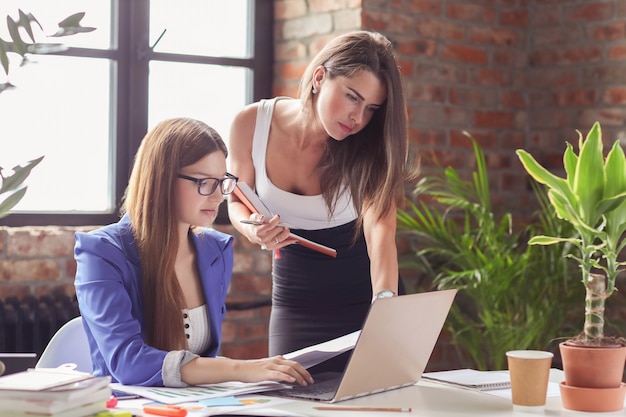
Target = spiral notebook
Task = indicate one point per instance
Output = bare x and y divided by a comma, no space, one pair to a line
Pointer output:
471,379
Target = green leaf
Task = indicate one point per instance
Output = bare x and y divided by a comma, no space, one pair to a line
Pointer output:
543,176
10,202
550,240
589,180
71,26
14,180
570,161
26,21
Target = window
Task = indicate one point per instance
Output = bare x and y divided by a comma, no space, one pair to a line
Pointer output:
86,109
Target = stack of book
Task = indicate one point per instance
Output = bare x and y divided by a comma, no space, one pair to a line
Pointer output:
53,392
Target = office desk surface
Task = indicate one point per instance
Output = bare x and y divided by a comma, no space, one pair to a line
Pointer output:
437,400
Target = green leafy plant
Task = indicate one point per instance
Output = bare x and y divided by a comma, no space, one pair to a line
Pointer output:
12,188
592,198
17,45
511,295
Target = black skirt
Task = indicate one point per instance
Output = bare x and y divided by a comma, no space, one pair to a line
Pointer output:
315,297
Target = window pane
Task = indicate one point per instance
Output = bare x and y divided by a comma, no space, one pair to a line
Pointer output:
49,13
61,110
212,94
201,27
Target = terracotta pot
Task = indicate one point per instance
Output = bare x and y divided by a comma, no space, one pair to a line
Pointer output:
593,366
592,399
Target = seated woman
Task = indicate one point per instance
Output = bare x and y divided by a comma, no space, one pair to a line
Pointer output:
152,287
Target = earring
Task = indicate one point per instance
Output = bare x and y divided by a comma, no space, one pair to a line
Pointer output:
314,90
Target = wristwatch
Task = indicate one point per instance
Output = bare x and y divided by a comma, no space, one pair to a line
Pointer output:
384,294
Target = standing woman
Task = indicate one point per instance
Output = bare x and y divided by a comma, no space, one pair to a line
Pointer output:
332,164
152,288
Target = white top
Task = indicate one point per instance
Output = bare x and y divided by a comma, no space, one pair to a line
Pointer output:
298,211
197,328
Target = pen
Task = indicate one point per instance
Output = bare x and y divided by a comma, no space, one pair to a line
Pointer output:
165,410
348,408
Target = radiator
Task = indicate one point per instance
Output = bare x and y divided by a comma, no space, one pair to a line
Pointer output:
28,324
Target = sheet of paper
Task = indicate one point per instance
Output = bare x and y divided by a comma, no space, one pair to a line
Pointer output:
197,393
313,355
199,409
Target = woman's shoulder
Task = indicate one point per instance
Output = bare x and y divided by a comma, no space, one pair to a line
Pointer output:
116,234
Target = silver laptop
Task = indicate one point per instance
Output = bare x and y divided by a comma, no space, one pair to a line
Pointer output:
392,351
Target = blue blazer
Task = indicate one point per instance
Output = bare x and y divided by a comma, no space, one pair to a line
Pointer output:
108,287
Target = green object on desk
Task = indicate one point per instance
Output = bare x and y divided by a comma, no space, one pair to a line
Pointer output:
115,414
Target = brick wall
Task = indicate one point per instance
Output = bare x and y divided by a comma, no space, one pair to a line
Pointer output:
513,73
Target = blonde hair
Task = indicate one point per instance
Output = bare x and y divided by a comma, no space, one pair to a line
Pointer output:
149,202
372,162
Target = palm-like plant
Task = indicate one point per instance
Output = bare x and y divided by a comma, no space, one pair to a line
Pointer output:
465,245
592,198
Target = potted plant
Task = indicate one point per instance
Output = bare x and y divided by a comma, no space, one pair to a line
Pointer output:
460,239
592,198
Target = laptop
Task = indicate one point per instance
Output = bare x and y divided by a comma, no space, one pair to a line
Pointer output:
392,349
11,363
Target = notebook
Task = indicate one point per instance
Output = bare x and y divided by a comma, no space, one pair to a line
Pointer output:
472,379
392,350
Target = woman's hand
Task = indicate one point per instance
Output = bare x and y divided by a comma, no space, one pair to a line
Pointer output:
276,368
270,234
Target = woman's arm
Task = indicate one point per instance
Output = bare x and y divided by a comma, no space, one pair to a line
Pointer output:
214,370
380,235
240,164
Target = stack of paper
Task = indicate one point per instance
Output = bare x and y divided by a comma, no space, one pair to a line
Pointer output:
53,392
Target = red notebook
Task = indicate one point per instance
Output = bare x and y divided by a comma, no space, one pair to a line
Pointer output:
256,205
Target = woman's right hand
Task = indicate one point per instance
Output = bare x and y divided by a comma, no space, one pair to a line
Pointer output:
269,234
276,368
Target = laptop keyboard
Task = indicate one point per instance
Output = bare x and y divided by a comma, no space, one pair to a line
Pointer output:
324,388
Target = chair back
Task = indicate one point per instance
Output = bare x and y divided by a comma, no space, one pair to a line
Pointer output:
69,345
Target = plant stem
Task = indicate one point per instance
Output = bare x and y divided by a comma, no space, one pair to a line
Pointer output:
595,297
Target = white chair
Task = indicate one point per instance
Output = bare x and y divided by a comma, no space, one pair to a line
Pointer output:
69,345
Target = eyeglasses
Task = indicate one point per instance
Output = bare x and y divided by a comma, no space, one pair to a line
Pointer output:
207,186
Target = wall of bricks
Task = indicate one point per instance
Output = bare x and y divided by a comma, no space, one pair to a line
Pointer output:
513,73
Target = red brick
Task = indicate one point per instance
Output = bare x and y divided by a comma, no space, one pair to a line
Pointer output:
517,18
493,119
288,9
615,95
493,36
617,53
291,70
463,53
417,47
513,99
577,97
418,7
293,50
470,12
612,116
33,270
321,6
588,12
609,32
45,241
249,350
251,285
437,28
492,77
426,92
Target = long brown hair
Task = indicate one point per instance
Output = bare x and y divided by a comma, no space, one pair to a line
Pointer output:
372,162
149,202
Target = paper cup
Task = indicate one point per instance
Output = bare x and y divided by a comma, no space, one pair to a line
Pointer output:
529,371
